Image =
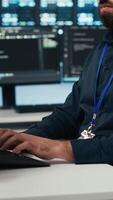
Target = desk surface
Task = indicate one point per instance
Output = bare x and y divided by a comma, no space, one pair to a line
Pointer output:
58,182
9,118
10,115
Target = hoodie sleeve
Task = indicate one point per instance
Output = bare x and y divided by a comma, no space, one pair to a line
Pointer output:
63,122
96,150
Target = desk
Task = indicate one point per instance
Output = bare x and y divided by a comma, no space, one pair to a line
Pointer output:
58,182
9,118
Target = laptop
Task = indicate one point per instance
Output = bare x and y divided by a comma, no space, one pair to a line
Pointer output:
9,160
40,97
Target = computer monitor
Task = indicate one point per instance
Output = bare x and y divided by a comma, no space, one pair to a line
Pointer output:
87,13
40,97
78,43
19,13
1,97
56,13
18,58
30,58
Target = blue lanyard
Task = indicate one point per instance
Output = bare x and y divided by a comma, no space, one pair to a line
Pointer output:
97,104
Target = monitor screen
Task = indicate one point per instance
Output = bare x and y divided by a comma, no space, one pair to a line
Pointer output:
51,46
1,97
27,55
56,12
18,13
18,55
42,94
87,13
78,43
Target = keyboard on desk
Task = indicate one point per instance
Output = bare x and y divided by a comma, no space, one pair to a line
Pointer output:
9,160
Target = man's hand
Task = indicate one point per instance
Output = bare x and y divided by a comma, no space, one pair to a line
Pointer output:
6,134
39,146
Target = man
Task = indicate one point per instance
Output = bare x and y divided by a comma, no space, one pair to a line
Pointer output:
80,131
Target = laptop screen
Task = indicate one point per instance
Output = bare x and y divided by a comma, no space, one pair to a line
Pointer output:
41,94
1,97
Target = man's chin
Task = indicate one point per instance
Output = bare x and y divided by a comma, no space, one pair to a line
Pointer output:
107,20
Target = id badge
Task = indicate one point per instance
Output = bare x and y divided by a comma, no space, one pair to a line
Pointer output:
86,134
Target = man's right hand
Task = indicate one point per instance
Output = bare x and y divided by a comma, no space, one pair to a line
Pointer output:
5,134
38,146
